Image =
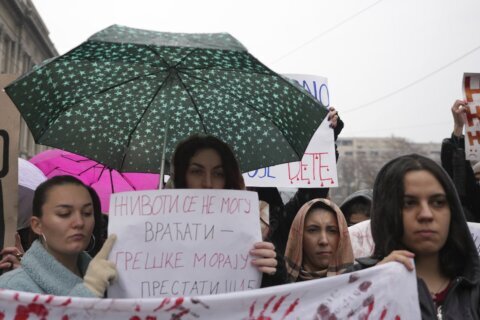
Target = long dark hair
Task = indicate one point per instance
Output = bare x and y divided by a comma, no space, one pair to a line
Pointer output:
387,205
187,148
100,229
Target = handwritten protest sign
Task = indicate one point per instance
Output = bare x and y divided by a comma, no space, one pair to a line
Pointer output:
471,92
318,166
388,291
183,242
363,245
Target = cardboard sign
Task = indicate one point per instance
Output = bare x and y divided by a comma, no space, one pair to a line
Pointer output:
183,242
388,291
9,137
318,168
471,92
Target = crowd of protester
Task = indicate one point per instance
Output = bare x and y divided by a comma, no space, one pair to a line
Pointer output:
418,214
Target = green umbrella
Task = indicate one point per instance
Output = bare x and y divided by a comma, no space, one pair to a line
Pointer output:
126,96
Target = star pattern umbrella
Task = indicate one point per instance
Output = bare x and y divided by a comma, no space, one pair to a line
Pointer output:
118,96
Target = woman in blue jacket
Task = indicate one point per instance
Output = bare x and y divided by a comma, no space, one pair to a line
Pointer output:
63,222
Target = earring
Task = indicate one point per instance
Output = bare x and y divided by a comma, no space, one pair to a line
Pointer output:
93,246
44,241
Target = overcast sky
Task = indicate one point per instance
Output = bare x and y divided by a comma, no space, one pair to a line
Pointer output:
394,67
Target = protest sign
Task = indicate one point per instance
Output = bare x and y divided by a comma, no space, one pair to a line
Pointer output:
361,239
388,291
183,242
471,92
363,245
318,166
475,231
9,135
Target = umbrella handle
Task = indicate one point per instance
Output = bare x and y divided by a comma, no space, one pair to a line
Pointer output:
162,165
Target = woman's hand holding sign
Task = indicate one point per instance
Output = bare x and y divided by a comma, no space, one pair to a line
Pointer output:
265,257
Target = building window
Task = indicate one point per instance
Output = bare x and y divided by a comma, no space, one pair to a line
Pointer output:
342,142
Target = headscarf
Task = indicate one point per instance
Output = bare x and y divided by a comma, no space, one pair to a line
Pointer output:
342,258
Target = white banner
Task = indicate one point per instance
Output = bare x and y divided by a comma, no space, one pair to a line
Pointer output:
363,245
471,92
318,168
183,242
388,291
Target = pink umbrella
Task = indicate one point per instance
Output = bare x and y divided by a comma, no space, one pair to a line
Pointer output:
103,179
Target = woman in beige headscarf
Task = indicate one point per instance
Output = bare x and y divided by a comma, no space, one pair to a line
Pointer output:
318,244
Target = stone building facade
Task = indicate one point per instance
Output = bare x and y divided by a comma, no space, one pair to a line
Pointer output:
362,157
24,42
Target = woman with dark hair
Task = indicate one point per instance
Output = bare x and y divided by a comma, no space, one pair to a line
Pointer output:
63,222
183,167
206,162
319,243
99,233
416,213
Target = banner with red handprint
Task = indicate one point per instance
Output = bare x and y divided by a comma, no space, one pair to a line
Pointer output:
388,291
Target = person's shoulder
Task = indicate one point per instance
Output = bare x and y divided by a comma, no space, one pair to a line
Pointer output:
18,280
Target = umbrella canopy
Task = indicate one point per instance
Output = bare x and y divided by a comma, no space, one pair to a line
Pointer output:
118,96
104,180
29,177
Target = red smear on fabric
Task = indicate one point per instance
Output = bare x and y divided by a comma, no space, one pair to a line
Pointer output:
384,313
164,302
178,303
252,309
265,306
279,303
66,302
291,308
23,312
364,286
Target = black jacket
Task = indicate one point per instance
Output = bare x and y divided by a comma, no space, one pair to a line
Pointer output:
461,172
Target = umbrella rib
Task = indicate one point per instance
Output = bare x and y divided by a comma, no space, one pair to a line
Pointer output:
185,57
89,168
251,107
127,180
194,105
101,173
140,120
54,118
230,94
111,180
152,48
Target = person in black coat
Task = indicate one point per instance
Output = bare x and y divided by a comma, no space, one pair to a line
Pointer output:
416,213
458,168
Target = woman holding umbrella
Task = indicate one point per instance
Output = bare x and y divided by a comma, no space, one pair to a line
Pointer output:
416,213
205,162
63,222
